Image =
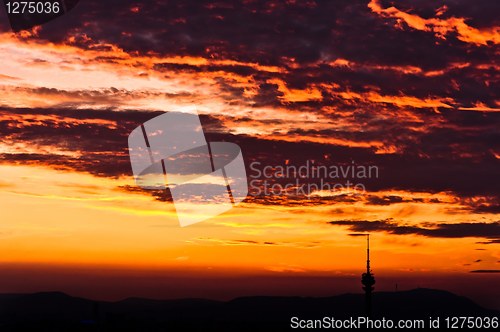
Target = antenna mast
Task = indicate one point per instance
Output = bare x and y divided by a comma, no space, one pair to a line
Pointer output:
368,279
368,253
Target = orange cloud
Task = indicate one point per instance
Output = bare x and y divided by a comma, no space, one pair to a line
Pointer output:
399,100
351,64
26,120
481,107
296,95
440,27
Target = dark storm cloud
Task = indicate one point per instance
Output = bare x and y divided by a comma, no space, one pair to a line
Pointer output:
452,141
100,139
442,230
437,148
160,195
481,14
385,200
495,241
302,38
266,32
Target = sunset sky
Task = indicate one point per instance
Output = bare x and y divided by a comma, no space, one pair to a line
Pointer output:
408,86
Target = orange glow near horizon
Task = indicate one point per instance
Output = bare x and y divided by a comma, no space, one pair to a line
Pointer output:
58,217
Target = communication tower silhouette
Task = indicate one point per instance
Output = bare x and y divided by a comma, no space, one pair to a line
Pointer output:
368,279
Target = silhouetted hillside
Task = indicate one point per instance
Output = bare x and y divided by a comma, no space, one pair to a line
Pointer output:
60,312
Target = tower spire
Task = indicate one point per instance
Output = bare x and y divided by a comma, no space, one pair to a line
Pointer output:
368,253
368,279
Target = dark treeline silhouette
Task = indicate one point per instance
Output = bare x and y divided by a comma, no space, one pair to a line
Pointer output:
60,312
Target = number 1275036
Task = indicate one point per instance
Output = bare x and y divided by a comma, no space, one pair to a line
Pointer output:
33,7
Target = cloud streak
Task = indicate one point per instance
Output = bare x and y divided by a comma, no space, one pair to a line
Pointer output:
441,230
